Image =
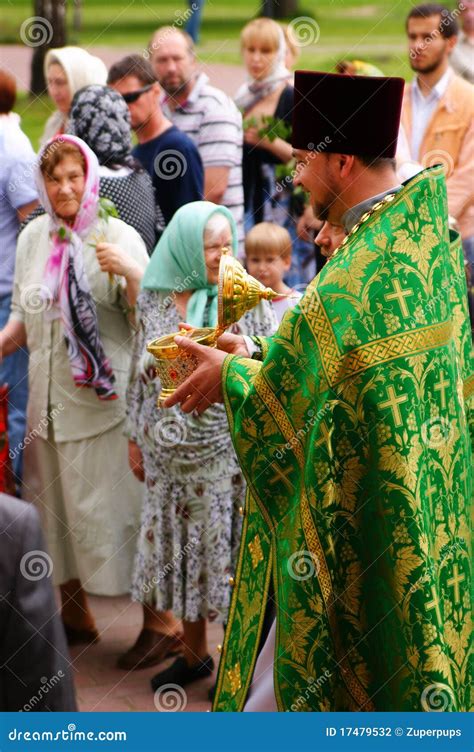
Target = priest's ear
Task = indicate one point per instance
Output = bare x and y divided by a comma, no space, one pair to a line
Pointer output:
345,164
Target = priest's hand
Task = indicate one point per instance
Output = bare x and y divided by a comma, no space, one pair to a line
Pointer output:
233,344
230,343
204,387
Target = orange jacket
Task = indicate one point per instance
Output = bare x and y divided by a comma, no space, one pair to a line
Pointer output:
449,140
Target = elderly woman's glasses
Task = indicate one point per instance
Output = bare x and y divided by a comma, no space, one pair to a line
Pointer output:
132,96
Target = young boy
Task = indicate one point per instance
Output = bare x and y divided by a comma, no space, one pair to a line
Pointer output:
268,259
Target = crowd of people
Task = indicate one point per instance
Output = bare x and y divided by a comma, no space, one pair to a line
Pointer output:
112,236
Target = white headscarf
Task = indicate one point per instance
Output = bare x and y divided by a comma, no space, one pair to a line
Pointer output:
81,68
253,90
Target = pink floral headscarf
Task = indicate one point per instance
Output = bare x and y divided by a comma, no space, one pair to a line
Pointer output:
65,280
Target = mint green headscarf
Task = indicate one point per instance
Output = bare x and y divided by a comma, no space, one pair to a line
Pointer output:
178,262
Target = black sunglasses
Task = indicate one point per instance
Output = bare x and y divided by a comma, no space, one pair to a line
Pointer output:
132,96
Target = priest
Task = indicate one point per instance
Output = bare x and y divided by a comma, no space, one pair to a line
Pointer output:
351,426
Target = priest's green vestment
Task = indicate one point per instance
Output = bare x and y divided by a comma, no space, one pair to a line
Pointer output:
353,434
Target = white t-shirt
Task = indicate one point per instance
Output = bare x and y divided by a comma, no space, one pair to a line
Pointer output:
281,305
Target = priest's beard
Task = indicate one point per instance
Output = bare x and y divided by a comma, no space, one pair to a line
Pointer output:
326,189
324,207
321,211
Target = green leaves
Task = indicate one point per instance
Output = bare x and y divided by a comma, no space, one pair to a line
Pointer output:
269,127
107,209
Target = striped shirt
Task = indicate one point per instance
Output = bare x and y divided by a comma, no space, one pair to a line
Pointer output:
211,119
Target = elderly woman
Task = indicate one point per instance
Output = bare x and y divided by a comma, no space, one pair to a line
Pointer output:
77,276
193,484
66,70
99,115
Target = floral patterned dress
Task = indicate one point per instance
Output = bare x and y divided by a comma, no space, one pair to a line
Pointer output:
190,526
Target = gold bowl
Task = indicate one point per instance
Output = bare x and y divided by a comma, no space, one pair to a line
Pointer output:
173,364
238,292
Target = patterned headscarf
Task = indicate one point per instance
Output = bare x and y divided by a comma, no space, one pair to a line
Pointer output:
65,282
99,115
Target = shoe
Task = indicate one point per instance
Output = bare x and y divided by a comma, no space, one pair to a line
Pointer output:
150,649
181,673
80,636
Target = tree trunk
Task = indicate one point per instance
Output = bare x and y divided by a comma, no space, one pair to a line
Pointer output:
77,16
47,30
279,8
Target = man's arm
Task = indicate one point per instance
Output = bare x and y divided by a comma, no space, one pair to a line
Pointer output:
216,180
460,184
220,147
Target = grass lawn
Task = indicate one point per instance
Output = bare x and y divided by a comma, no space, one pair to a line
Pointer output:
372,31
346,27
34,113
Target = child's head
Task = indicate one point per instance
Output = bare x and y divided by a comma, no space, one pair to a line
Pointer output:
268,253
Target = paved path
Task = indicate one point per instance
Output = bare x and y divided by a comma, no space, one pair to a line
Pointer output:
17,59
101,686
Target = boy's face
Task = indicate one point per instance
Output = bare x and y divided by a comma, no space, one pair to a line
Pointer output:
268,267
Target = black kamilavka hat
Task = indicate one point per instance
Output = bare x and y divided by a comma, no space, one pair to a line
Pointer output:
346,114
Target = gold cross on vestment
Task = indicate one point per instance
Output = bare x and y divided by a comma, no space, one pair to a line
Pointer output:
393,402
455,581
330,549
441,387
281,475
325,434
434,604
400,296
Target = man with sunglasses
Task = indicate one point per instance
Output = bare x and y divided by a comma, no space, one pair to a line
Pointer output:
169,155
